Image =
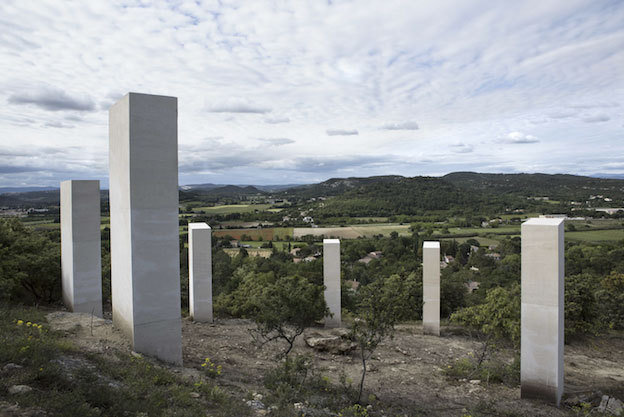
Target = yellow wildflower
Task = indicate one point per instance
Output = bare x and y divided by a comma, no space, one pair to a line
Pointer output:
28,324
20,322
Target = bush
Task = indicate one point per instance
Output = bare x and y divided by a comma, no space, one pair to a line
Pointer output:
30,266
610,300
582,315
281,307
498,318
489,371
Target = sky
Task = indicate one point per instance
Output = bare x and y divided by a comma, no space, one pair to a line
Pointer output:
283,92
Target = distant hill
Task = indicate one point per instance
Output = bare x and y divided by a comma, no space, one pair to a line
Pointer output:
389,195
338,186
38,199
235,190
557,186
5,190
394,194
209,186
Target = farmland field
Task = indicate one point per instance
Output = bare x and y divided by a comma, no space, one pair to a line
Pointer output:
596,235
266,233
232,208
337,232
369,230
484,241
265,253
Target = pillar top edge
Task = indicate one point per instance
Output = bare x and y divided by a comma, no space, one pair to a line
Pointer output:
431,244
540,221
330,241
198,226
80,181
132,93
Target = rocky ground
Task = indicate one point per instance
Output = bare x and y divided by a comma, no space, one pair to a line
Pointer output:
406,372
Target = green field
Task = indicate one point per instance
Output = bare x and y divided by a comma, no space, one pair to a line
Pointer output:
484,241
521,216
503,230
232,208
596,235
267,233
385,229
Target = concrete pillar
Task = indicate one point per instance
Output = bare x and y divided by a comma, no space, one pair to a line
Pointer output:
541,350
200,271
145,257
331,279
81,256
431,288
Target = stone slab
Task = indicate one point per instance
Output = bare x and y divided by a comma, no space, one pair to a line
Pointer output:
200,272
331,280
81,256
431,288
542,310
145,257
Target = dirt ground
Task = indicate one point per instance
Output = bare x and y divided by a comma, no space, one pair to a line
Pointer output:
407,370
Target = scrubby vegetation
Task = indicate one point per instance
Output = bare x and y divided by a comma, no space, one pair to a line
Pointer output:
283,292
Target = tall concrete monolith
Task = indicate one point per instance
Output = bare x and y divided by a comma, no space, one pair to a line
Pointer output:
542,326
431,288
145,257
81,256
200,271
331,279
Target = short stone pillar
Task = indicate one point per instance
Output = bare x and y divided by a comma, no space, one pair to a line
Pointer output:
331,279
431,288
145,243
81,255
200,271
541,350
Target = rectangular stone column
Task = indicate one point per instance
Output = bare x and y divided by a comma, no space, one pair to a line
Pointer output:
331,279
145,251
431,288
541,360
81,256
200,271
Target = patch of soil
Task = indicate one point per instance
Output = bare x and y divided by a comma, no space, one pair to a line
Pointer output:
406,371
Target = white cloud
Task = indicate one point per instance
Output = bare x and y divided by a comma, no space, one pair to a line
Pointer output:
462,148
236,106
52,98
597,118
276,141
276,120
520,138
245,70
341,132
407,125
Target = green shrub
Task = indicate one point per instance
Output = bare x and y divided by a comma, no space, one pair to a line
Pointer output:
30,268
281,307
498,318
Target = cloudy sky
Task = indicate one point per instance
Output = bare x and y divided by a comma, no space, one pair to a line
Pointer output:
302,91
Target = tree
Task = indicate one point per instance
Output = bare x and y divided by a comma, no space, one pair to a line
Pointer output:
610,299
581,309
382,304
282,308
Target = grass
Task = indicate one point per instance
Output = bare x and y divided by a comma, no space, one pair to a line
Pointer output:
279,245
484,241
521,216
596,235
69,382
382,229
232,208
268,233
265,253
